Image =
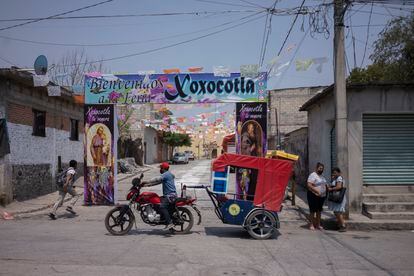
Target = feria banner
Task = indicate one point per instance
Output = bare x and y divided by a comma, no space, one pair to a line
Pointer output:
173,88
100,155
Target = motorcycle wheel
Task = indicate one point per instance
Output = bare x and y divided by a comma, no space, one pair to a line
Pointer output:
187,219
117,225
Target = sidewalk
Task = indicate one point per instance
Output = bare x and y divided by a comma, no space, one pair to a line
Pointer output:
355,222
17,209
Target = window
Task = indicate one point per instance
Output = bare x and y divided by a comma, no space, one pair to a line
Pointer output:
155,140
74,130
39,123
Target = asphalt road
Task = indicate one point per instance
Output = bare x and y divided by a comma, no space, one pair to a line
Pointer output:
80,245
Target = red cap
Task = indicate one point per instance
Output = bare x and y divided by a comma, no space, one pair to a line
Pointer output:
164,165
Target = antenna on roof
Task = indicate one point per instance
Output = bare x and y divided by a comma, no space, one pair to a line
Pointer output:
40,65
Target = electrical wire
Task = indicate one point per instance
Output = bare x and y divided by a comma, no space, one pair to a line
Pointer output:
263,38
366,42
9,62
130,15
253,4
167,46
221,3
121,43
294,55
56,15
269,30
290,29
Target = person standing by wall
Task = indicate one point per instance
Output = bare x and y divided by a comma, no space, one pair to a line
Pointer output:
316,196
338,208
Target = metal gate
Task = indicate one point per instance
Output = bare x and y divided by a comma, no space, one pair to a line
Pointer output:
388,149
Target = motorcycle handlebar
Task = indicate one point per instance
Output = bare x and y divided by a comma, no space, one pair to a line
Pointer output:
197,186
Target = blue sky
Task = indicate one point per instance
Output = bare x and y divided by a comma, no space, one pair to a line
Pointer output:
230,48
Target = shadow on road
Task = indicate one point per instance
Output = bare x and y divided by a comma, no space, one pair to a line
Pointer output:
232,232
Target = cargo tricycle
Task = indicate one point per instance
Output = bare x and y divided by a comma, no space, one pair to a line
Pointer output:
257,213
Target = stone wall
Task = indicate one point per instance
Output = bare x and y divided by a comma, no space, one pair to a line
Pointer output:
30,181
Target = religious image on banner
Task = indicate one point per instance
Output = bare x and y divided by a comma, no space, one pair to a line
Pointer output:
251,139
100,170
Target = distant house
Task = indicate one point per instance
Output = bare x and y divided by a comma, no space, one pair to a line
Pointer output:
284,115
380,145
36,131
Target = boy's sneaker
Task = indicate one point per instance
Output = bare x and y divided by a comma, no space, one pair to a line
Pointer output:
52,216
169,226
342,229
70,210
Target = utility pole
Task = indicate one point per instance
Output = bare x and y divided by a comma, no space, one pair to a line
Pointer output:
341,117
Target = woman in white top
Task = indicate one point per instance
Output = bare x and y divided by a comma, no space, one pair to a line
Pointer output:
316,196
337,208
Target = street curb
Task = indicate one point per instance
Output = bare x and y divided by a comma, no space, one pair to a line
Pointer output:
40,208
133,175
329,223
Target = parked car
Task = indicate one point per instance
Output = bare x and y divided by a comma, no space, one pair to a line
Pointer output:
180,157
190,155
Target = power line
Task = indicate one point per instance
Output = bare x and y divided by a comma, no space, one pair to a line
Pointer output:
263,39
221,3
269,30
294,54
167,46
9,62
291,27
121,43
52,16
366,42
130,15
253,4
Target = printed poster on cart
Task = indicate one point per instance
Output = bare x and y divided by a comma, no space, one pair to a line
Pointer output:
100,155
251,139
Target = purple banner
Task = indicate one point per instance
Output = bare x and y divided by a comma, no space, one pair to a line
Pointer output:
100,155
251,139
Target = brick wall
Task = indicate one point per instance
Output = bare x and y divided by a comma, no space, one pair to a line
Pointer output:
20,114
23,115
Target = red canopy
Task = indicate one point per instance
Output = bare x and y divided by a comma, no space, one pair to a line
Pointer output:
273,177
228,139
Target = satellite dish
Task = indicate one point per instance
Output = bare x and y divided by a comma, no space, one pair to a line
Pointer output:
40,65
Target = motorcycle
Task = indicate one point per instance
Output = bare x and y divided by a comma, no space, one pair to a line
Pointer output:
120,219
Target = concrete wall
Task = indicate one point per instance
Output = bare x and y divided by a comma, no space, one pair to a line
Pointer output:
286,103
151,149
377,99
297,143
373,100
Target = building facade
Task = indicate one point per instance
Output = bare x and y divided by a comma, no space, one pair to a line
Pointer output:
41,131
284,115
380,137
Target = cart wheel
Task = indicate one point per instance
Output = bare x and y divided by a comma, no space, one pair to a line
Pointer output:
260,224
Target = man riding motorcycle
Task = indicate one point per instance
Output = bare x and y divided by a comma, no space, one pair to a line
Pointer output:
168,190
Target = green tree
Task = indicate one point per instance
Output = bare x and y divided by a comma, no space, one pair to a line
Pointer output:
393,55
174,139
